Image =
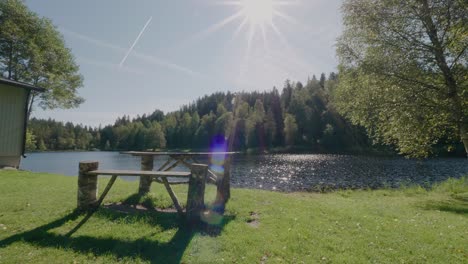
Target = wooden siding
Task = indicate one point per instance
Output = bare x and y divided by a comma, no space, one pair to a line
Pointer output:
12,111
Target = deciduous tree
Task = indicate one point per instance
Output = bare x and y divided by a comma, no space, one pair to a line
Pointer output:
33,51
404,71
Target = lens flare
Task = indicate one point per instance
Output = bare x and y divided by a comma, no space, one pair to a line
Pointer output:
218,145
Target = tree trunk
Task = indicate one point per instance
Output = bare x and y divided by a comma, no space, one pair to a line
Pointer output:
10,61
464,136
30,105
450,82
32,98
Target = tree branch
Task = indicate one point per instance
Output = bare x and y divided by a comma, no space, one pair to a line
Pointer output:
10,60
458,56
31,103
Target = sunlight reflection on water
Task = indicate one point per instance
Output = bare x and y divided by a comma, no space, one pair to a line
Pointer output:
288,172
283,172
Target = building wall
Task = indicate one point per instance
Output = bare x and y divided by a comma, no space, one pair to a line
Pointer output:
13,101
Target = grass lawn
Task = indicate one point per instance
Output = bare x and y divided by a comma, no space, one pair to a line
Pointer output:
411,225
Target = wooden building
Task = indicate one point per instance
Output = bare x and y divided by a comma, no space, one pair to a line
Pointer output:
14,98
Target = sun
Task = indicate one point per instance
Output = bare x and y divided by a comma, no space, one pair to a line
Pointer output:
257,16
258,12
258,19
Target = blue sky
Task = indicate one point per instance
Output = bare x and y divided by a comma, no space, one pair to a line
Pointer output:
185,51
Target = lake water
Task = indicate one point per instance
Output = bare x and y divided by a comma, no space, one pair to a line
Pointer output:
282,172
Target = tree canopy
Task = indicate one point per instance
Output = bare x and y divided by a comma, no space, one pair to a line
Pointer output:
300,116
33,51
404,71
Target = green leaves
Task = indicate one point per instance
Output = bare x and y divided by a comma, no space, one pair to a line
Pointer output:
394,74
33,51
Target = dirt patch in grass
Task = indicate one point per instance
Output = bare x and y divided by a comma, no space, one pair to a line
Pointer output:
254,220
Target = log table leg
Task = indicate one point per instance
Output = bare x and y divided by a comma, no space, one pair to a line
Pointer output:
223,187
145,181
196,193
87,185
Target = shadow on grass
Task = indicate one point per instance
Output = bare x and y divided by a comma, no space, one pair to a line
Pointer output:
455,205
143,248
138,199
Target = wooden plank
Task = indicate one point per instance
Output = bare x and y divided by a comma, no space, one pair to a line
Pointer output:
186,164
175,174
173,197
148,153
212,178
170,182
165,164
106,190
172,166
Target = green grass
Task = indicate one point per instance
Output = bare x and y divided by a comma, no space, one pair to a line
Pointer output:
412,225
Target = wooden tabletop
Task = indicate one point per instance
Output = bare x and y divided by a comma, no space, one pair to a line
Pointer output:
158,153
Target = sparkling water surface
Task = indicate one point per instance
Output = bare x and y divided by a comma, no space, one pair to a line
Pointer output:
282,172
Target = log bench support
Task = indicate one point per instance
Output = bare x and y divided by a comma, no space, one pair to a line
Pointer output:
145,181
87,185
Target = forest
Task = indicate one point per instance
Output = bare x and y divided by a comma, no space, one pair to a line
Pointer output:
297,118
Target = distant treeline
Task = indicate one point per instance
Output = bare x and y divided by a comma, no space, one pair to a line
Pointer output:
299,117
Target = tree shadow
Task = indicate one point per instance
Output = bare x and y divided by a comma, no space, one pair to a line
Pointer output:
454,205
132,213
143,248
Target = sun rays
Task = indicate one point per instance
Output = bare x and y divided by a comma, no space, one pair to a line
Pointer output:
257,12
257,21
257,16
256,32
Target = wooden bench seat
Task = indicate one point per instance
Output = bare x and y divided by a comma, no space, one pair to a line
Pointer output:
158,174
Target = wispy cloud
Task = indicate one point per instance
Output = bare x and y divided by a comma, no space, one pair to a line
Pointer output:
142,56
91,40
112,66
163,63
136,41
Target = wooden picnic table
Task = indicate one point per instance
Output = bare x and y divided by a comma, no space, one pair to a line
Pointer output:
197,176
88,183
184,159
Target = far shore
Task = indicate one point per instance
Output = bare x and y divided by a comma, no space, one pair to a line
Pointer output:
294,151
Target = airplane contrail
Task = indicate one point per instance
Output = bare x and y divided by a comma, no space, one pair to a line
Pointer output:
135,42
